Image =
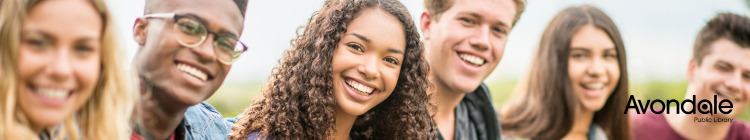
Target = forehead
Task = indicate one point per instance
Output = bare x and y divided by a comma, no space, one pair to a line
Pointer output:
590,36
219,14
492,10
58,18
728,51
379,27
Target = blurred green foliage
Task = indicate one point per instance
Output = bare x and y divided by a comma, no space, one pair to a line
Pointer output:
232,99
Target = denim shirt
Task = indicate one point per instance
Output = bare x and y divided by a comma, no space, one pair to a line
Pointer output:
203,122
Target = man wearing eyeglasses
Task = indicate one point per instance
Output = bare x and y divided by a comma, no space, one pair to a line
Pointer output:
186,50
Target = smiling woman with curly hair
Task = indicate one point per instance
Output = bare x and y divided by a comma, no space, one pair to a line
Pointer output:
357,71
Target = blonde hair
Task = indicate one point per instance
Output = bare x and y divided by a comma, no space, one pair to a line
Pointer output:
105,115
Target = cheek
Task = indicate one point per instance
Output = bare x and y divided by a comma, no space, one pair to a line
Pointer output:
390,78
337,60
498,47
613,71
87,72
31,63
576,70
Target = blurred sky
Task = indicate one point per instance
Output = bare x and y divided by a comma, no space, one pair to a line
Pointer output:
658,34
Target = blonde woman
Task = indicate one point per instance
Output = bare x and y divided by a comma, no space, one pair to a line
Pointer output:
61,75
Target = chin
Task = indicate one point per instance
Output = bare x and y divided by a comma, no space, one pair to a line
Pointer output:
593,106
351,108
467,85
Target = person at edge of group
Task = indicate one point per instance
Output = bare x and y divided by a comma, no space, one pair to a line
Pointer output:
61,75
464,41
719,67
356,71
186,48
577,87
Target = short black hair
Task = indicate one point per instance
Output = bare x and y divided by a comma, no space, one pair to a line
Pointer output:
152,4
242,4
725,25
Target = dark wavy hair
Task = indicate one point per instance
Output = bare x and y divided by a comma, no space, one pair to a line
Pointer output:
298,100
545,108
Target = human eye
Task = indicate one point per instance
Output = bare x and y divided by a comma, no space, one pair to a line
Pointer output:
190,26
356,47
37,43
578,55
610,55
83,49
498,30
391,60
722,67
467,21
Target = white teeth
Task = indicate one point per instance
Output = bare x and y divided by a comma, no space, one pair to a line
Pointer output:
594,85
471,59
192,71
359,88
52,93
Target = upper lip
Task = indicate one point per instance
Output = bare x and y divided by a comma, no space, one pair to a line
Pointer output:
729,96
199,67
374,88
475,54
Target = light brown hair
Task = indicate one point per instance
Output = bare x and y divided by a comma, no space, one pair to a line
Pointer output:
437,7
546,104
725,25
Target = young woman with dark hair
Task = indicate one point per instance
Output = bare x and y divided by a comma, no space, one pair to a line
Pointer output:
578,84
357,71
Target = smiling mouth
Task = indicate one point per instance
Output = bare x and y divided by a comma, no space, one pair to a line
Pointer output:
593,86
359,88
726,96
192,71
473,59
52,93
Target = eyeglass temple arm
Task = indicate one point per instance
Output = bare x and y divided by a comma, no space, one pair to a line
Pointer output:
160,15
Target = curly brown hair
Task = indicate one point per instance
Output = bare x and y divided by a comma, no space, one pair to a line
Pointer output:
298,102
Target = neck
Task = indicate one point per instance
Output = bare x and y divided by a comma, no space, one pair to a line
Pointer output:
446,100
581,125
37,129
344,123
159,118
689,128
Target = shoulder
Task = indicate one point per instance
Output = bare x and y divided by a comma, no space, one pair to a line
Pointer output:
651,126
739,130
203,121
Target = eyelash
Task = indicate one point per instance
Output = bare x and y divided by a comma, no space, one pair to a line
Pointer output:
391,60
722,68
610,55
467,20
499,30
37,43
83,49
355,47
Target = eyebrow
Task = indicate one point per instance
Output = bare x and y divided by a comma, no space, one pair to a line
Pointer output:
221,31
725,63
45,35
587,50
476,15
361,37
395,51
